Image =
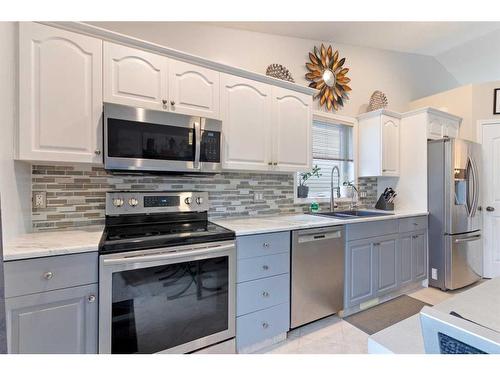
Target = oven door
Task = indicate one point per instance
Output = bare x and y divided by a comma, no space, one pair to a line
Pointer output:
170,300
137,139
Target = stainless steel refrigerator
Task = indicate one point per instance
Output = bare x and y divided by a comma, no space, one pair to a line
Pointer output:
455,243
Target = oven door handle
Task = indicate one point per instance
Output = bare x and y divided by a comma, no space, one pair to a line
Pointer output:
165,255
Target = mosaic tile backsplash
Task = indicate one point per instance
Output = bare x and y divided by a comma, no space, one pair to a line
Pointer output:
76,193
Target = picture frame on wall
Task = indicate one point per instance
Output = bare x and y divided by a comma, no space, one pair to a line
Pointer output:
496,101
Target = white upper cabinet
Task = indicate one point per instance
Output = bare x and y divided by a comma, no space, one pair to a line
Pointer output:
134,77
292,124
379,144
193,90
390,146
246,124
60,95
442,126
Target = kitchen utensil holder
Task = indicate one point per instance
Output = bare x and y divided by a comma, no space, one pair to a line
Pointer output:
382,204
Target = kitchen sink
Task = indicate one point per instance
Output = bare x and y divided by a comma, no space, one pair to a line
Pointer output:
351,214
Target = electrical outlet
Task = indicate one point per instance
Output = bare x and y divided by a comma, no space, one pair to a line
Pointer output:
362,194
39,199
434,274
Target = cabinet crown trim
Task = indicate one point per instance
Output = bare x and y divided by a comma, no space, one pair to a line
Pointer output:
111,36
378,112
433,111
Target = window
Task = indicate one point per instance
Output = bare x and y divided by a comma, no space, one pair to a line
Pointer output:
332,146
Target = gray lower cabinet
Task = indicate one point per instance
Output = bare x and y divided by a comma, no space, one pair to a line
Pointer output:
262,289
61,321
384,257
52,304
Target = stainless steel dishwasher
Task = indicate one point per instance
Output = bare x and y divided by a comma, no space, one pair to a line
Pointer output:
317,273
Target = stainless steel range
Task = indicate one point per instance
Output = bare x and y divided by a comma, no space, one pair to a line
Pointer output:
167,275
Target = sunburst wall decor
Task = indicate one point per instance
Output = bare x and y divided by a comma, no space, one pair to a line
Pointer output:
328,74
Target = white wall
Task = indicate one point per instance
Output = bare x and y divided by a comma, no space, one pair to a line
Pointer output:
15,177
472,102
403,77
475,61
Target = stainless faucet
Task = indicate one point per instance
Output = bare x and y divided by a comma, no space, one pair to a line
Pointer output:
332,199
354,189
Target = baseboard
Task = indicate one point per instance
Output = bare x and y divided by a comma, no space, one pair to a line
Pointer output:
263,344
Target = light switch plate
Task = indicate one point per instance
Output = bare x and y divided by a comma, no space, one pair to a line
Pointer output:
258,196
39,199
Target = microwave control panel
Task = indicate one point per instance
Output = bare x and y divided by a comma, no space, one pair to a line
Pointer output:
210,146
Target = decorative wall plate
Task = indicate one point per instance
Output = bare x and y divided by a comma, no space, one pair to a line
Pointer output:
280,72
328,74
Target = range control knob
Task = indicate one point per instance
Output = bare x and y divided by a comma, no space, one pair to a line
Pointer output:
132,202
199,200
118,202
188,200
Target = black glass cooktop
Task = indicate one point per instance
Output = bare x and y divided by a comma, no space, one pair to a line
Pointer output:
149,232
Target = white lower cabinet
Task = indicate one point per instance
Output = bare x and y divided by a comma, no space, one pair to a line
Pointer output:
262,290
60,95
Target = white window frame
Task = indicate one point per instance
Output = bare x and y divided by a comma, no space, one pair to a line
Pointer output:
333,119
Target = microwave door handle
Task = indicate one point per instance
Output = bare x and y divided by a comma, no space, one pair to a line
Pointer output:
197,146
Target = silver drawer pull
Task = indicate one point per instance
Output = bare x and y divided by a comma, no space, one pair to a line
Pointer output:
265,267
415,223
48,275
265,294
91,298
414,236
265,325
265,244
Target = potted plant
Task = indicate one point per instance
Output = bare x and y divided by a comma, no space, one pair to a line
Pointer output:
303,189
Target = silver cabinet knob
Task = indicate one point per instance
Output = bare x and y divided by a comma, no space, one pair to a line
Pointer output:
188,200
270,163
265,294
48,275
172,103
265,267
91,298
490,209
275,163
265,244
199,200
164,101
132,202
265,325
97,152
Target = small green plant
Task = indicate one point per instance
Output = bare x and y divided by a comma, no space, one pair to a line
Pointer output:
307,175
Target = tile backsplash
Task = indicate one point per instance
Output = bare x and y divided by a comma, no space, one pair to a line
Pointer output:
76,193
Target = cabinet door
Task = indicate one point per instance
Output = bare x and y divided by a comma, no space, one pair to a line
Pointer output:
60,95
246,122
419,256
361,279
387,265
405,272
292,125
450,129
390,146
193,90
58,322
134,77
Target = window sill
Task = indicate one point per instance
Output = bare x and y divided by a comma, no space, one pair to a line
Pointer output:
309,200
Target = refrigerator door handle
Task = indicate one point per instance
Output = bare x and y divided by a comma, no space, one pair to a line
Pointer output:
468,239
475,181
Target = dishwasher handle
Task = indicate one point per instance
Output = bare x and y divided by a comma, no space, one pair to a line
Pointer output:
320,235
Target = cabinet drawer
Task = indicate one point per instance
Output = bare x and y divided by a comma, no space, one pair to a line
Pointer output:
410,224
263,244
262,325
45,274
371,229
259,267
260,294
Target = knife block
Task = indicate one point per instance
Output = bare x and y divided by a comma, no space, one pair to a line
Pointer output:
382,204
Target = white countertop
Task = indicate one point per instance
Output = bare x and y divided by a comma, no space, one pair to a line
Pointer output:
43,244
267,224
480,304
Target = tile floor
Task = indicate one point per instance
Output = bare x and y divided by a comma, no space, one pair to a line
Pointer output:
333,335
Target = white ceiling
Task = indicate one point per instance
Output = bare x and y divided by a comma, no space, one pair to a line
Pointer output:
426,38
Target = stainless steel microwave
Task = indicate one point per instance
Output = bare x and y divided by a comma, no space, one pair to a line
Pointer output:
144,140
